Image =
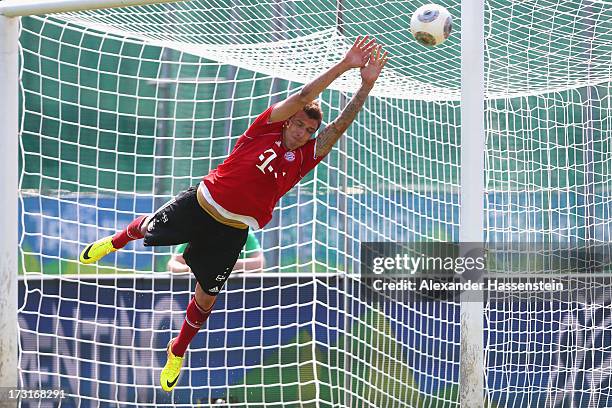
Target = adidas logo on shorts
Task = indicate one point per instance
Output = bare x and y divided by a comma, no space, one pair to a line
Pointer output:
214,290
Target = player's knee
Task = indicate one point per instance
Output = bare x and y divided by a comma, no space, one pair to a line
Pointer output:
203,299
144,224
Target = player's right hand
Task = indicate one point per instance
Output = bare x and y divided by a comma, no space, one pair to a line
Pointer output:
359,53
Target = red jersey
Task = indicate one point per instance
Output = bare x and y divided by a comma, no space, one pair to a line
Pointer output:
257,173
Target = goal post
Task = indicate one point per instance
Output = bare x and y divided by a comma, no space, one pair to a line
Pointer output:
472,210
9,169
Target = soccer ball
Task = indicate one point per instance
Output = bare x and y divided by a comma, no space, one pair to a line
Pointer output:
431,24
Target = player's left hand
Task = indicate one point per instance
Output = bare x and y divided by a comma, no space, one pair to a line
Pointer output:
359,53
376,62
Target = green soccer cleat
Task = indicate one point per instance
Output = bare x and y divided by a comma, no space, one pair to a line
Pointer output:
96,251
170,374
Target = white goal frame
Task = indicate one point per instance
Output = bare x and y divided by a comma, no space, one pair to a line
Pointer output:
9,168
472,175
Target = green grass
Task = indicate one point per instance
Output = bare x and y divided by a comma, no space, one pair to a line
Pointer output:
33,264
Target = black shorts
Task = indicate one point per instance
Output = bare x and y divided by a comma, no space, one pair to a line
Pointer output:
213,247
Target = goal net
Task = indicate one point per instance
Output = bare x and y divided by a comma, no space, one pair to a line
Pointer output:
122,109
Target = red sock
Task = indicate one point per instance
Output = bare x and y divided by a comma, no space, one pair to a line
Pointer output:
194,319
130,233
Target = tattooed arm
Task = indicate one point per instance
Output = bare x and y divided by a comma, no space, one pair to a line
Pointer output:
330,135
369,74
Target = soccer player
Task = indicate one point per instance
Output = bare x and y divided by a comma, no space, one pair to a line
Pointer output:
250,260
272,156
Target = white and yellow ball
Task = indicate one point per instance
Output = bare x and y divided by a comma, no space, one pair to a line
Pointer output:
431,24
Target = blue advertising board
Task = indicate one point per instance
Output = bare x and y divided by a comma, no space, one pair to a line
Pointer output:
103,340
56,228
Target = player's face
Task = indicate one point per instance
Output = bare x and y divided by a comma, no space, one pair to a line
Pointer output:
299,130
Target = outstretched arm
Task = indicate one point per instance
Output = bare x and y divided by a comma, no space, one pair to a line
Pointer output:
369,74
177,263
356,57
253,263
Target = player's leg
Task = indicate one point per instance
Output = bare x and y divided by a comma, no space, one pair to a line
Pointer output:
198,310
211,266
203,299
133,231
169,220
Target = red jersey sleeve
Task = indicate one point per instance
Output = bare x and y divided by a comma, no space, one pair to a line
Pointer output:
309,157
261,124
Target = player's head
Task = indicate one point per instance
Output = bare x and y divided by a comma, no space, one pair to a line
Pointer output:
300,127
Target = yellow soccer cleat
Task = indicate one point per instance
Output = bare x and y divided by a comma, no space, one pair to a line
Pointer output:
96,251
170,374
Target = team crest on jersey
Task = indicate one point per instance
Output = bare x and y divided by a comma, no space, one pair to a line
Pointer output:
290,156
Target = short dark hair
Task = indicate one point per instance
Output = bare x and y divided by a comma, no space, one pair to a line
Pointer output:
313,111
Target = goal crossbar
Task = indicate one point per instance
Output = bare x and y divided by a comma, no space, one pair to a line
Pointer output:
16,8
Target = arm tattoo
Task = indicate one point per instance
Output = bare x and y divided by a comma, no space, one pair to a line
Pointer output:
334,130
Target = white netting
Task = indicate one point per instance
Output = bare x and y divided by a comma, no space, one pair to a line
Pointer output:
532,46
121,109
